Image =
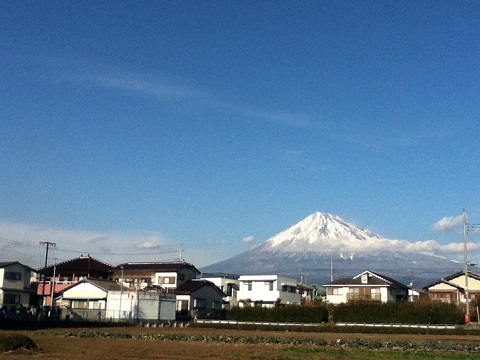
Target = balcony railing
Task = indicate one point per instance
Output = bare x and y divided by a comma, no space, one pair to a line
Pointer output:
356,296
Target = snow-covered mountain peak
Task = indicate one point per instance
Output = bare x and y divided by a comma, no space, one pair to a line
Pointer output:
322,231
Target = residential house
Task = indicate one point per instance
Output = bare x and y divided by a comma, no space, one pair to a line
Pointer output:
87,298
106,300
267,290
198,297
451,289
228,283
366,286
64,274
15,284
193,296
165,275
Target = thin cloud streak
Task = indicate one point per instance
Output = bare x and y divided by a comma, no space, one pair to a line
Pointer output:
448,223
71,243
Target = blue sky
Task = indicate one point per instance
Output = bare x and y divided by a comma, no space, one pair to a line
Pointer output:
132,128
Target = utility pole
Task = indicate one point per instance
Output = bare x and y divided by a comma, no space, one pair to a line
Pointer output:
47,244
52,286
331,270
465,269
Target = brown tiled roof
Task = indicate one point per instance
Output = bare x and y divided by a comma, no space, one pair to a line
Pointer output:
82,265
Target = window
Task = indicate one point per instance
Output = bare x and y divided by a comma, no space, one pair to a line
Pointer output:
289,289
10,275
181,277
248,285
182,305
268,285
166,280
199,303
337,291
215,304
11,299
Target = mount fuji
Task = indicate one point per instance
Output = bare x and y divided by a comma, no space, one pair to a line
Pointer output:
324,246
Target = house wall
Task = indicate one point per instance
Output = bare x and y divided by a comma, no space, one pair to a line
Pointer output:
223,284
139,305
340,297
84,291
386,293
14,284
161,279
19,288
473,284
208,295
262,293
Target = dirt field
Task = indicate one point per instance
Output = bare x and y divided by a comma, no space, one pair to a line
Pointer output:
76,348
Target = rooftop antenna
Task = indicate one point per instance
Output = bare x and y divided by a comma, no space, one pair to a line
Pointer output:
180,252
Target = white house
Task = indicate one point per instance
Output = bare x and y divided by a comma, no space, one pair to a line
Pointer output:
92,299
15,284
266,290
228,283
166,275
366,286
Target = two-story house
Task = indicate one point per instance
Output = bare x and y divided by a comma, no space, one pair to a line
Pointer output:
15,284
193,296
59,276
267,290
451,289
163,275
366,286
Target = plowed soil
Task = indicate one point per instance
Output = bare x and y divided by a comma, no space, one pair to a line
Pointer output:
76,348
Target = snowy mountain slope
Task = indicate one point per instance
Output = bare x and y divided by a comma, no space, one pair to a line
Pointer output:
322,244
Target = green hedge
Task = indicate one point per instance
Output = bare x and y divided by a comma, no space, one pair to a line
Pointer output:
420,312
289,313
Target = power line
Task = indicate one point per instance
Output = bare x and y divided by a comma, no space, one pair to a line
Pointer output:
118,254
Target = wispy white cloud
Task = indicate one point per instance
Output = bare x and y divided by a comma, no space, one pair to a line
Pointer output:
448,223
138,83
22,242
249,239
168,90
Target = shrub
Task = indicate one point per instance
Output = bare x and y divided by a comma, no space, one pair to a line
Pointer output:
420,312
287,313
10,342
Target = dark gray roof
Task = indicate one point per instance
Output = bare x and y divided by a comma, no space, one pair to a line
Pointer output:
377,279
447,279
156,266
193,285
4,264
